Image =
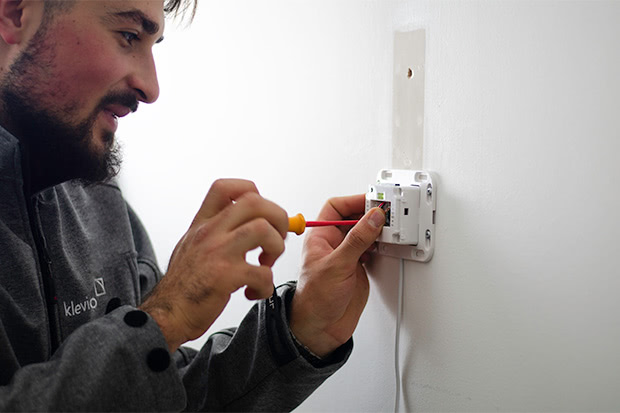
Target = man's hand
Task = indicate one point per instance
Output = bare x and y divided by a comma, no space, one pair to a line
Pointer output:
209,264
333,287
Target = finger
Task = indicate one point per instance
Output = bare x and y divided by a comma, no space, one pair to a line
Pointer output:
267,259
259,282
343,207
361,236
257,233
351,207
222,194
332,235
251,206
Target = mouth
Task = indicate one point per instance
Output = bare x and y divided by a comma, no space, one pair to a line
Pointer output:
117,111
112,113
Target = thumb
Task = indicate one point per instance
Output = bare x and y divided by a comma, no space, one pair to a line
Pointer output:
362,235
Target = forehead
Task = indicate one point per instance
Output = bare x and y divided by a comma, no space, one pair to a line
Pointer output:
148,13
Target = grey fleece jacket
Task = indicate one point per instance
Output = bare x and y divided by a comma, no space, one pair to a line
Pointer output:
75,262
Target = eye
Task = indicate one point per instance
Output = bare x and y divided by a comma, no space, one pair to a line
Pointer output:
129,37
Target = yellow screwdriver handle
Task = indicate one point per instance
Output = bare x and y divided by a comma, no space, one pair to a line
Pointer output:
297,224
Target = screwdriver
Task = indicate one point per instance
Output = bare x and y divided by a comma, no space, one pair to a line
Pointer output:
298,224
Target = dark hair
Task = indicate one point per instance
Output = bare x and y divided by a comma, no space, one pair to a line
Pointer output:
176,7
171,7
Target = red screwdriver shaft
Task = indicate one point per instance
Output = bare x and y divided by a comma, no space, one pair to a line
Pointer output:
330,223
298,224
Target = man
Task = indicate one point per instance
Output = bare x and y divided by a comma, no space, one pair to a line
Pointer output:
77,330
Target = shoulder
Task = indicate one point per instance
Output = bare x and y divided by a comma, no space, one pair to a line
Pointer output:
79,193
103,200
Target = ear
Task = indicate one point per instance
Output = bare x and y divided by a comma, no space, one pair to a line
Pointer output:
12,20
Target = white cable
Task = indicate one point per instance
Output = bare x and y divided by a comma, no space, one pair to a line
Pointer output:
401,278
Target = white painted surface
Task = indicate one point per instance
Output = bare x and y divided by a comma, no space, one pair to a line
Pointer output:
519,308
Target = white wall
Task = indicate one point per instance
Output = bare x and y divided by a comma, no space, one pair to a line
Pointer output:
519,308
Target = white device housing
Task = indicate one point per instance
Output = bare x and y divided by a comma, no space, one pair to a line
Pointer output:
409,199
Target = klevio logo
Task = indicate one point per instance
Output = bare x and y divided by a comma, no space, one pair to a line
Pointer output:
89,304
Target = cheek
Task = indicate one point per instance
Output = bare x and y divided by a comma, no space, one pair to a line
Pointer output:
86,69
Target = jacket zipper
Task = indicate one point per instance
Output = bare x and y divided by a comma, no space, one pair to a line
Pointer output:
44,261
49,288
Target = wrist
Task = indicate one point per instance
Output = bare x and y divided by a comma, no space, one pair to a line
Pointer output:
312,336
166,322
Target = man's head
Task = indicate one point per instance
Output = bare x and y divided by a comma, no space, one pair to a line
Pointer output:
69,70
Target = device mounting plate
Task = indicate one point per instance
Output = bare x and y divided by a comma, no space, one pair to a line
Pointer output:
425,247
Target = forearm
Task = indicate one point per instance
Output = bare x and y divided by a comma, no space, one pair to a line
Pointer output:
258,368
118,362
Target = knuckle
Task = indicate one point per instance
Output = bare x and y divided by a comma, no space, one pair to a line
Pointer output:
283,219
243,232
280,248
252,186
261,227
330,203
251,199
219,185
332,200
265,278
202,231
265,274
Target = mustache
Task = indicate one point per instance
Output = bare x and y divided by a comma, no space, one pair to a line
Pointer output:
126,99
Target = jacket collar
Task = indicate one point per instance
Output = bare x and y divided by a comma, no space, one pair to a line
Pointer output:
11,161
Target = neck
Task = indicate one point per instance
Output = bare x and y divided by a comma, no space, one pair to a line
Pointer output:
42,163
55,152
39,168
37,161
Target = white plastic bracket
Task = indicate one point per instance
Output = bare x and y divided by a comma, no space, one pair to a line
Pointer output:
409,199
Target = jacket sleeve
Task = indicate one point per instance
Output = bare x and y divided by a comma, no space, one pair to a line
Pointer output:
258,366
149,273
121,362
117,362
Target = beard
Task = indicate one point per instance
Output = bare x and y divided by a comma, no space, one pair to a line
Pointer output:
59,147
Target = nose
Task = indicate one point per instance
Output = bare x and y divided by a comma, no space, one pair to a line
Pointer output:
144,79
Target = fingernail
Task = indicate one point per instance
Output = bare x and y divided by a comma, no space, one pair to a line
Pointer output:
377,219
